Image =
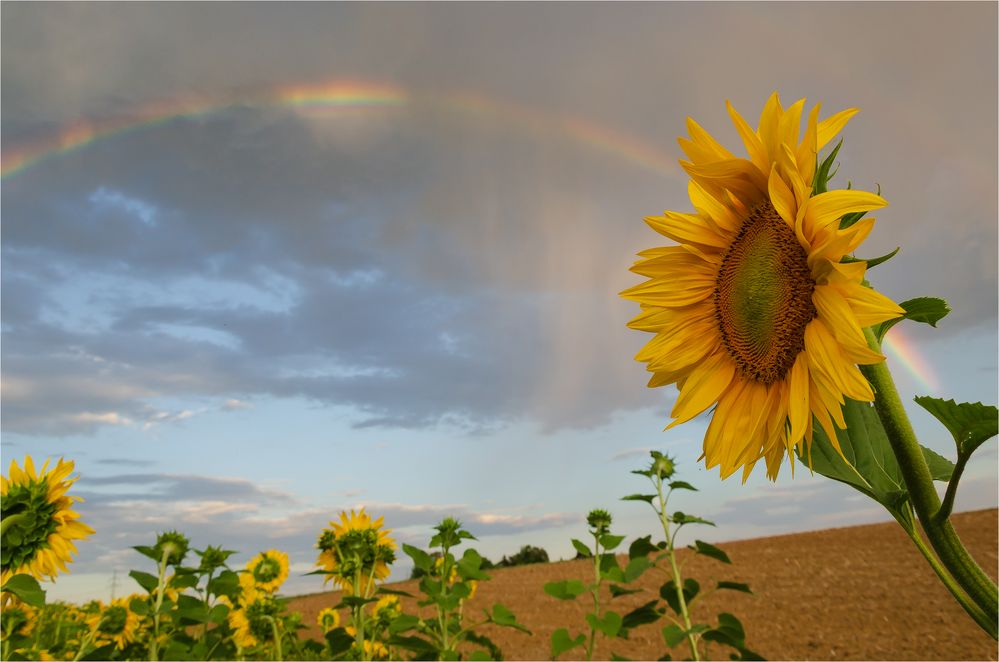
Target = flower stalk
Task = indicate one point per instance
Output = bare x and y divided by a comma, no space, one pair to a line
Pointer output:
671,553
919,483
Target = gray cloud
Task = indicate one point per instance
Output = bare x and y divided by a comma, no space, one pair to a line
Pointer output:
425,265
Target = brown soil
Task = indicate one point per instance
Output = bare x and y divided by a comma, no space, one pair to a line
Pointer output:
857,593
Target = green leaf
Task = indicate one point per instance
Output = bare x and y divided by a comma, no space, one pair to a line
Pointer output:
469,564
381,590
145,580
684,518
227,584
26,588
582,548
491,652
565,590
866,463
940,467
609,541
872,262
647,498
148,552
822,176
421,559
503,616
139,606
423,648
641,547
618,658
928,310
971,424
338,641
402,623
707,549
681,485
647,613
635,568
735,586
729,631
609,568
673,635
562,643
610,624
356,601
218,614
668,593
850,219
617,590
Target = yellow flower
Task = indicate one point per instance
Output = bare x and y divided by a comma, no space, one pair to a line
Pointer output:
38,539
328,619
375,650
356,548
267,570
387,609
115,623
253,622
753,311
17,618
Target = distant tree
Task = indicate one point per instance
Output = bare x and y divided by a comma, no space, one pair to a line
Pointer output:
527,554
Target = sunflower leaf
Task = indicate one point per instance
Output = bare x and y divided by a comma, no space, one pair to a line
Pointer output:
822,176
874,261
971,424
707,549
562,643
26,588
928,310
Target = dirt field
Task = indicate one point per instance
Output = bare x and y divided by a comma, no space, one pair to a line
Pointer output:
858,593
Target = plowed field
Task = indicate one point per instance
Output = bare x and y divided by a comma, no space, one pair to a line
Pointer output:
857,593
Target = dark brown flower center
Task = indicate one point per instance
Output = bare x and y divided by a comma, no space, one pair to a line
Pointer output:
763,297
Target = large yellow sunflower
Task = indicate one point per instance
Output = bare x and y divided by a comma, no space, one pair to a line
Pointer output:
356,547
39,527
754,312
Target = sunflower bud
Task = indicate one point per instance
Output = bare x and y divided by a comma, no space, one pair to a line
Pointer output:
662,465
599,520
173,545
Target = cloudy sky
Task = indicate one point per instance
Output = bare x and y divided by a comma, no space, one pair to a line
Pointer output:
265,262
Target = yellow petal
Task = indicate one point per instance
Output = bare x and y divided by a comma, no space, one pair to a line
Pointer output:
829,127
703,387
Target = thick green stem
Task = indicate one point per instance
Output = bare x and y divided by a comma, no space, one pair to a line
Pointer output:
677,580
919,483
595,591
962,598
160,590
278,653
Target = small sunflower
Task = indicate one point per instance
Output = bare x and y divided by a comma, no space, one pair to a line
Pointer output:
356,547
328,619
39,525
387,609
754,312
267,570
17,619
115,623
251,622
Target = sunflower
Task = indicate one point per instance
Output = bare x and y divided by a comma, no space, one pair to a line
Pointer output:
39,527
355,548
252,621
754,312
115,623
267,570
328,619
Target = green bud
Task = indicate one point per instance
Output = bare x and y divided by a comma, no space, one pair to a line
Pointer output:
599,520
173,544
662,465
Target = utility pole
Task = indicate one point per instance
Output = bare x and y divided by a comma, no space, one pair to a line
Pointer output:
114,582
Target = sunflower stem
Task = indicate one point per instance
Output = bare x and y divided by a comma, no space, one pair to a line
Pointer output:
277,639
948,502
596,594
671,553
160,590
962,598
919,483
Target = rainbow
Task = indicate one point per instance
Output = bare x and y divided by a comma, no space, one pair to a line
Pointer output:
902,349
334,95
361,95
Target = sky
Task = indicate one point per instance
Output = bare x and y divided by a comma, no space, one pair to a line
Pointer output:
265,262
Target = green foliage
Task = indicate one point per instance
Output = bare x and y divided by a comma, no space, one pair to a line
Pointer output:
865,461
25,588
928,310
971,424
